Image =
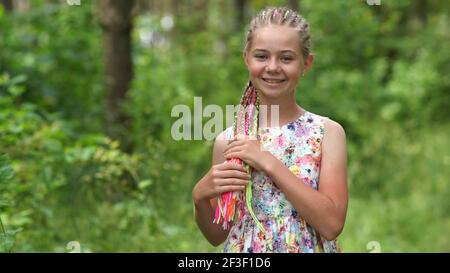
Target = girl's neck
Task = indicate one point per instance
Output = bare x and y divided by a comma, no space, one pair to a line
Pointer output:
278,112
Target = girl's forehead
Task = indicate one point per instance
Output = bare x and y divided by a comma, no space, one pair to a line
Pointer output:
276,38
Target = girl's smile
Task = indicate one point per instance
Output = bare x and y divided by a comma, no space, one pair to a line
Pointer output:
273,82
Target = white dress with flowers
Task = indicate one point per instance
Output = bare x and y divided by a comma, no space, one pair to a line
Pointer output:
298,145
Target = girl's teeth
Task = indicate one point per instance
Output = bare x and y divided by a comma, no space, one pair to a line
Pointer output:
273,81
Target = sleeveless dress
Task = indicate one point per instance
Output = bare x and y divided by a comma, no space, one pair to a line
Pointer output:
298,145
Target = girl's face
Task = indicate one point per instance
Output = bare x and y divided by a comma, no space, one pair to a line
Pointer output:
275,61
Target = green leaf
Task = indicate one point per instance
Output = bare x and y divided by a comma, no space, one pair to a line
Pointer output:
5,203
144,184
8,239
18,79
6,171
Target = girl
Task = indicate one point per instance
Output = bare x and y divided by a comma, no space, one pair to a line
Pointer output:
298,187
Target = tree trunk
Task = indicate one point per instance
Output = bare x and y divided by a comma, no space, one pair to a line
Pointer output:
8,4
200,14
115,18
422,11
240,9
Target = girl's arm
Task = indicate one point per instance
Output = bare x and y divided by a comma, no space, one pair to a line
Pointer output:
222,177
204,215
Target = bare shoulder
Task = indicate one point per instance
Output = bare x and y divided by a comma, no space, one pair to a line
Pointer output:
333,129
334,139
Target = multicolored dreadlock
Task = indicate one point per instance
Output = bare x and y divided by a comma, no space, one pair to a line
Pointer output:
246,123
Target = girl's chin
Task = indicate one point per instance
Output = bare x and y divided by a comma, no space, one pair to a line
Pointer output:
271,87
271,93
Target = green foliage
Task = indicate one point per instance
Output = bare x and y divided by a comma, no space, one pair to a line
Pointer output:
7,237
57,48
101,186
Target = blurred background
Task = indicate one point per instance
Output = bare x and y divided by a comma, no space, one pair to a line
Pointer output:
87,89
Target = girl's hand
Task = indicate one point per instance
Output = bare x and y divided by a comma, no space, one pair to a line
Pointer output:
248,150
221,178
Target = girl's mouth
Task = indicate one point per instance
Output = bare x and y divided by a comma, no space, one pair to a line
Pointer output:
273,81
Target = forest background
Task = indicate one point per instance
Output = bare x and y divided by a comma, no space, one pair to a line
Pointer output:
86,92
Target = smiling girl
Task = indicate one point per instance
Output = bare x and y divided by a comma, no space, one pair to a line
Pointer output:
297,184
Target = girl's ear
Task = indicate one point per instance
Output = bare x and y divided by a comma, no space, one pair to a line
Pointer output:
308,63
245,57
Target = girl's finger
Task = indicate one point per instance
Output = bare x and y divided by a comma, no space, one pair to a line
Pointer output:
234,144
232,182
232,166
232,150
234,155
241,174
231,188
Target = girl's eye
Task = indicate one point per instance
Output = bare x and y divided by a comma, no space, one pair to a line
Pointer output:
286,58
261,57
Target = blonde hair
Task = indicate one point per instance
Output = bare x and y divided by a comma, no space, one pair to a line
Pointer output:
281,16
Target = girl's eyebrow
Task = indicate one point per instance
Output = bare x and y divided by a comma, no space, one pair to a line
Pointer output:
282,51
288,51
258,49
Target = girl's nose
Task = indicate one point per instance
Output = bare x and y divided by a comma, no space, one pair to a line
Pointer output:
273,66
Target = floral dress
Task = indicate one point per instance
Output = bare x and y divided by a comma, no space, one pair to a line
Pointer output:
298,145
